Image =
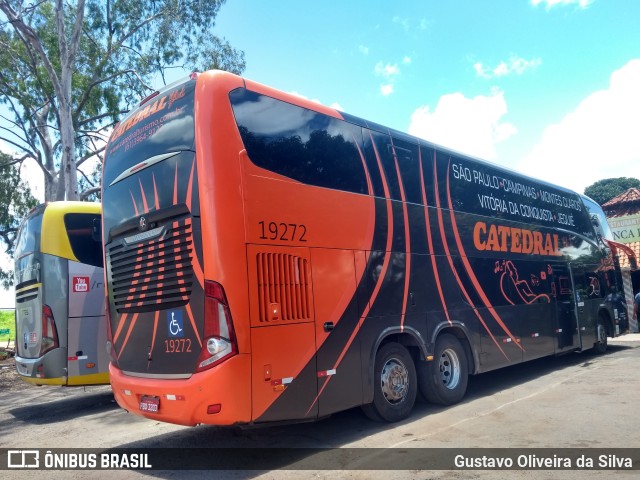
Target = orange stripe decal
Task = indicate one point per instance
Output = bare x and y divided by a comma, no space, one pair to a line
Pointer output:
144,197
134,319
450,259
407,239
366,170
432,256
155,192
467,266
190,187
381,277
193,323
123,319
156,317
135,207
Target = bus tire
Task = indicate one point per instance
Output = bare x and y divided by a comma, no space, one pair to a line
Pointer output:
444,380
600,347
395,384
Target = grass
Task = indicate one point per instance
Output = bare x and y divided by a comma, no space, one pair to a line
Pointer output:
7,321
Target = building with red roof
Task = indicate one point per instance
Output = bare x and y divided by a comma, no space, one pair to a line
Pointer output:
623,216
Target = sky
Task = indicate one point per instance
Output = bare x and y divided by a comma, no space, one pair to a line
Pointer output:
549,88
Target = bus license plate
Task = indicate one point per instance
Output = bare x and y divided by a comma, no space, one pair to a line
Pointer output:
149,404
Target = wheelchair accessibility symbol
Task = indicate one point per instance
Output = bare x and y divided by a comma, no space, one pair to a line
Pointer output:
174,323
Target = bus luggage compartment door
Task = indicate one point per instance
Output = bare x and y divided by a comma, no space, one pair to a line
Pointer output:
283,344
88,362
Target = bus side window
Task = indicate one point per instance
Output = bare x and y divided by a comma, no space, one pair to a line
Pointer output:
385,154
80,229
408,157
298,143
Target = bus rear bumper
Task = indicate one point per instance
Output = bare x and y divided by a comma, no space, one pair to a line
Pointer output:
220,396
50,369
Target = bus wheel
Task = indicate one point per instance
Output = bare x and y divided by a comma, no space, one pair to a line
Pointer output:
600,346
395,384
444,380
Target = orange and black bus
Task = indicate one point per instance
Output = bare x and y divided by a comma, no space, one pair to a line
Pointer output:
271,259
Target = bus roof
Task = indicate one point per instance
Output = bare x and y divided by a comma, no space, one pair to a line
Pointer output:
54,239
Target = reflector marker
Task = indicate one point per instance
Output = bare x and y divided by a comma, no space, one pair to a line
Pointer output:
282,381
170,396
81,357
535,335
559,330
326,373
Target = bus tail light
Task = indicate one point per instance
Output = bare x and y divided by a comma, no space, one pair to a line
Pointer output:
219,336
49,331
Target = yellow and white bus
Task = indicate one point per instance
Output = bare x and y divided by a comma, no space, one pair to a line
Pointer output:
60,301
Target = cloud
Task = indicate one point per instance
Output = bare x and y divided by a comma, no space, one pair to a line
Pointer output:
515,65
387,71
468,125
386,89
403,22
598,140
553,3
364,50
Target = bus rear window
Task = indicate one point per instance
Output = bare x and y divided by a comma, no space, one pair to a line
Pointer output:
163,124
28,239
83,237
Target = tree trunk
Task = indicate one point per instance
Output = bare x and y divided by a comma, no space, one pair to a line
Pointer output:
68,164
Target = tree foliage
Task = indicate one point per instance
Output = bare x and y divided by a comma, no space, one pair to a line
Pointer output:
69,70
604,190
15,202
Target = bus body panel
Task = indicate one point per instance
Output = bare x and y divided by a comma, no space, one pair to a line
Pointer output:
330,236
281,361
87,325
223,230
186,401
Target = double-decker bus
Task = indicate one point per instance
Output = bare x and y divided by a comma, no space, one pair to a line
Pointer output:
61,329
271,259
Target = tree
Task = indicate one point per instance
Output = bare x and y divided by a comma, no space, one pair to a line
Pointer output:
15,202
604,190
69,71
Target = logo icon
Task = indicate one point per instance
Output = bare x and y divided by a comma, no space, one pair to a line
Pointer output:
81,284
23,459
174,323
30,338
143,224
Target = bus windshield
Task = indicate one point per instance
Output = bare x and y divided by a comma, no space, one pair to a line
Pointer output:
598,218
